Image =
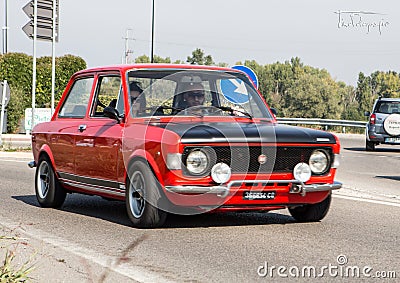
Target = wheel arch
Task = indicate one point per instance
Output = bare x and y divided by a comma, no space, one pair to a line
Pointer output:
45,150
147,158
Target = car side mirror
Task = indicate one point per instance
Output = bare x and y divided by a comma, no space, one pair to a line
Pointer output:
273,110
112,113
367,113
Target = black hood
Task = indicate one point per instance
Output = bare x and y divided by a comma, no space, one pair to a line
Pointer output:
247,132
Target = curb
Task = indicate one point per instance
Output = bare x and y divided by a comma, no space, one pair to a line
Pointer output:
15,141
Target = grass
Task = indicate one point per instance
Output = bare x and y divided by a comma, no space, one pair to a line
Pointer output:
10,272
19,149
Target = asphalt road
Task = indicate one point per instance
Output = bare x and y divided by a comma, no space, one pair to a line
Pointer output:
90,240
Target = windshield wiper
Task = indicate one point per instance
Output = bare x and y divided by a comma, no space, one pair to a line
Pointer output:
232,111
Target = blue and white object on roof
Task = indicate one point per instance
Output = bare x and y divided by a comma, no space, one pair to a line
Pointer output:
252,75
235,91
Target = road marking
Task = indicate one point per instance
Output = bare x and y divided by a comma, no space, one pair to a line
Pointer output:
368,200
136,273
14,160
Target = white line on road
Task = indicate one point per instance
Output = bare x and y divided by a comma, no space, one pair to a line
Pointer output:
136,273
367,200
15,160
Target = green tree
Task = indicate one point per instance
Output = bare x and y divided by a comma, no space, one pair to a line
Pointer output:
142,59
313,97
16,68
157,59
199,58
364,94
387,84
66,66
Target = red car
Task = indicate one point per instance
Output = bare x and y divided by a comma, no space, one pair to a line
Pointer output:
180,139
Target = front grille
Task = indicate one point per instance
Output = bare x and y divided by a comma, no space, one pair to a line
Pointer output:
244,159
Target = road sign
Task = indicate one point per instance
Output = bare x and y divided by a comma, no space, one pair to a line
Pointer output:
41,115
44,19
4,98
44,10
4,93
234,90
44,32
249,72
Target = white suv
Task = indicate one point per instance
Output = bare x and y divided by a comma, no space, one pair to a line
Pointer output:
384,123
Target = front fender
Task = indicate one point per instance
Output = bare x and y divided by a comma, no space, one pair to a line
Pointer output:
45,149
142,154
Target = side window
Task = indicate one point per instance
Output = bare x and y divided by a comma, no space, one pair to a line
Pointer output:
108,93
147,95
76,104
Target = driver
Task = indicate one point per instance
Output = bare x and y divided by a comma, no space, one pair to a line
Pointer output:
193,94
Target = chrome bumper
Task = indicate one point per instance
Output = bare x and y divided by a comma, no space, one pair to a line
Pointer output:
223,190
32,164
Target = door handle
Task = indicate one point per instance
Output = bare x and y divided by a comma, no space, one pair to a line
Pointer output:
81,128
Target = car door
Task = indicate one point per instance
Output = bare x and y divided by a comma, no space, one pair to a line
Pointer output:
98,146
66,126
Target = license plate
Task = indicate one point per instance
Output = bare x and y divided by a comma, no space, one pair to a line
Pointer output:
254,195
392,140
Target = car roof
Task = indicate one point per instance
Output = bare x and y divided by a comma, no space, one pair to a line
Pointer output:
126,67
388,99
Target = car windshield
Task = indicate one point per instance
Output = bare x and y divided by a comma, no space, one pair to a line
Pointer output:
388,107
164,92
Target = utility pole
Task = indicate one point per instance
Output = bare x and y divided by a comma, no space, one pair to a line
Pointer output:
152,35
35,17
5,28
127,51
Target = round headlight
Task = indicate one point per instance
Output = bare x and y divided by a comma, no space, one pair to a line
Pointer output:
221,173
302,172
197,162
319,161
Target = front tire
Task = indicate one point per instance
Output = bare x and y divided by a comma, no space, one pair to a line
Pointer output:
143,197
311,212
49,191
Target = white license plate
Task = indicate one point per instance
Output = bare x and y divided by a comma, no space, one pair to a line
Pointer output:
392,140
256,195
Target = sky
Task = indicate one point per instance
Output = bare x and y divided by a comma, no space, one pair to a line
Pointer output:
343,37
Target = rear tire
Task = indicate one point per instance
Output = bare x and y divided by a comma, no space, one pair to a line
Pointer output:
143,197
369,145
49,191
311,212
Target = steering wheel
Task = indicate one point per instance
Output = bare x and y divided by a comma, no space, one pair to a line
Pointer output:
203,110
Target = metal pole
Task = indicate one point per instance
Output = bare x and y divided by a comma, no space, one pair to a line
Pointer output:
126,46
53,57
3,35
6,27
152,35
34,62
3,103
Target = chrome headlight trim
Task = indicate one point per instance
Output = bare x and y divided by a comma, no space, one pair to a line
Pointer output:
197,162
319,161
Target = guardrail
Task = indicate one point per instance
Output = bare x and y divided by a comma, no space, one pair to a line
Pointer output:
323,122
